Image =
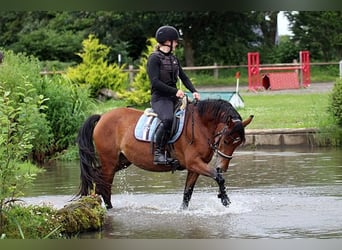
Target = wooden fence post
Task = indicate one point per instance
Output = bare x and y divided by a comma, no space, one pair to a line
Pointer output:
131,73
215,71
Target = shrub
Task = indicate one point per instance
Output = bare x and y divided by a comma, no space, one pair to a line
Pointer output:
19,77
17,131
336,101
140,92
31,222
94,72
68,106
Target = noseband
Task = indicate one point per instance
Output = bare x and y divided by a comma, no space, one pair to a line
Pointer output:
214,146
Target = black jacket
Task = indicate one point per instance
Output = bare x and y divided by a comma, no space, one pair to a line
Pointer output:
163,70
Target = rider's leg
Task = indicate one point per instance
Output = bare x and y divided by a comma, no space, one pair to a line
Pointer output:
164,108
162,137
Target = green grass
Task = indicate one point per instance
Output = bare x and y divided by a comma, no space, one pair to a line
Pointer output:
274,110
287,110
103,106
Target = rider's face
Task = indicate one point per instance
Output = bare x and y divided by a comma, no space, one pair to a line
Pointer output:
174,44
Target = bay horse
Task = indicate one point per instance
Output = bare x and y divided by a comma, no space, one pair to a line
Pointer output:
107,145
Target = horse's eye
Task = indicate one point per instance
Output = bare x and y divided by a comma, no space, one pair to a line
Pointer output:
236,140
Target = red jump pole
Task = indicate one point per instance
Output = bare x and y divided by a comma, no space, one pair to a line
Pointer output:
305,68
253,70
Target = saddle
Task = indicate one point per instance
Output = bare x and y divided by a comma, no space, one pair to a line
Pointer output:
149,121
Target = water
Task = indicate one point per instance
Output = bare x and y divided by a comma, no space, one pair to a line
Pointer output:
275,193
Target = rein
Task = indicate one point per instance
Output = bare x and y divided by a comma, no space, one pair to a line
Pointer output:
214,146
191,141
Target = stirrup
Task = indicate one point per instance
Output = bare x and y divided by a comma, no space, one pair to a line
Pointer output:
165,161
161,162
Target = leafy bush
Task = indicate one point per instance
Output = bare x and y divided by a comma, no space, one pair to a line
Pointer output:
17,131
140,92
19,76
54,107
68,106
94,72
336,101
31,222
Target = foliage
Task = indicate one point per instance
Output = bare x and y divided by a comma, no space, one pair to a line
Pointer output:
284,52
330,136
19,75
19,69
94,71
336,102
31,222
59,105
85,214
17,133
47,35
319,32
209,36
140,92
49,42
223,37
68,106
46,222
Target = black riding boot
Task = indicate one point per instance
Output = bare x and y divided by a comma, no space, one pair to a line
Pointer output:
162,137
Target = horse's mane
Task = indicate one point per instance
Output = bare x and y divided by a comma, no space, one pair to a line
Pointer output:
218,109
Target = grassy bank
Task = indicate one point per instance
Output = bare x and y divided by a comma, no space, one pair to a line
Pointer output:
281,110
287,110
274,110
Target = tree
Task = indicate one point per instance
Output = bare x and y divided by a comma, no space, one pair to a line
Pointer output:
268,21
320,32
209,36
212,36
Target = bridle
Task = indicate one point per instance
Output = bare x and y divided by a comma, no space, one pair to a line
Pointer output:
215,146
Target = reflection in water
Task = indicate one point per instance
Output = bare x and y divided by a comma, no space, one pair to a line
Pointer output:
290,193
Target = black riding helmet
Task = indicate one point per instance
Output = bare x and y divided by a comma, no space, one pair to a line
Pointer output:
165,33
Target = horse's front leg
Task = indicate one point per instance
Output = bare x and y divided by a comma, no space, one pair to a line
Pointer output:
222,189
189,188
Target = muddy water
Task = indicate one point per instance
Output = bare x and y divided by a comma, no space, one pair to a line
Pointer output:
275,193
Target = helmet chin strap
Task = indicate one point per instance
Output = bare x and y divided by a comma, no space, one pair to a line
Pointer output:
170,46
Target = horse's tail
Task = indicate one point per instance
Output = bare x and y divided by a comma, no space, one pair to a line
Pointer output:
89,166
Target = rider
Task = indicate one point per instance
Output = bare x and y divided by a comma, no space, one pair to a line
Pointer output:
163,69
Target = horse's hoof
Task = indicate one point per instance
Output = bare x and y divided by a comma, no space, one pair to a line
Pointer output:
224,199
226,203
109,206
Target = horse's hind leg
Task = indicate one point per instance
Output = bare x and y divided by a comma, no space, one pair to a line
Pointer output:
105,189
110,165
108,169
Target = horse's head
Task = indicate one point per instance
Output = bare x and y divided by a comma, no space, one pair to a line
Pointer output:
229,128
229,137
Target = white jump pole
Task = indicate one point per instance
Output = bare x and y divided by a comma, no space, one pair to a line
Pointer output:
237,76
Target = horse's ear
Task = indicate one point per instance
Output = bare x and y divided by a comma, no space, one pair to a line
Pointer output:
247,121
